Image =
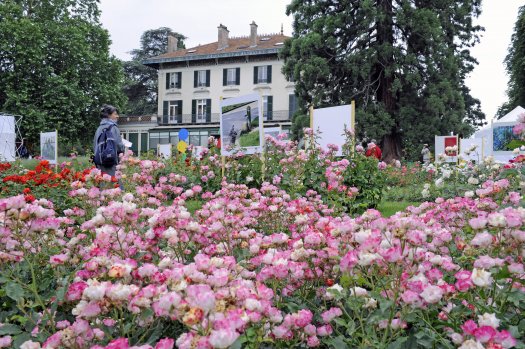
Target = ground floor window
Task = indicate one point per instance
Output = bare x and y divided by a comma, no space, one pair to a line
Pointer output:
196,137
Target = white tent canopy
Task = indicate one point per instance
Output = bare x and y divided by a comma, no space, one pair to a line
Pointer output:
512,116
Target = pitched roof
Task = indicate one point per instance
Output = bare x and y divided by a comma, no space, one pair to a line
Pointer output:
239,46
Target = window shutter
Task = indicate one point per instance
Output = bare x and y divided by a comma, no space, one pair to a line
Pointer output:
194,111
179,109
195,78
255,75
167,81
165,112
208,110
207,78
237,76
224,77
270,108
179,82
269,72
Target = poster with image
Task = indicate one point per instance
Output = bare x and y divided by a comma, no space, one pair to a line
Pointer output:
503,137
241,125
330,123
49,146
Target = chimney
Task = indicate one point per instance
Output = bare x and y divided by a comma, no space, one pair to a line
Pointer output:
223,37
253,34
173,42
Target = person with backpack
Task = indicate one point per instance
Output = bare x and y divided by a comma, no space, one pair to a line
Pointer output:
107,141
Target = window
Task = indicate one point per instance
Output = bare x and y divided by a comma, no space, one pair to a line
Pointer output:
292,105
174,138
173,80
153,140
231,76
172,112
201,110
199,138
268,107
262,74
201,78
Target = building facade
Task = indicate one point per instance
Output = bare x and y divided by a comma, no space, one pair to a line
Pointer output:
193,81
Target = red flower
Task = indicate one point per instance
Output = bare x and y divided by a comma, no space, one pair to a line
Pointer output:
26,190
29,198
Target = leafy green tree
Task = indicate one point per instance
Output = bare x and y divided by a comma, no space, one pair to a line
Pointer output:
515,66
404,62
142,81
55,68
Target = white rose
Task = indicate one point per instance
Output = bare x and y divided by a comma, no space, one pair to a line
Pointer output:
497,220
371,303
473,181
456,338
253,305
94,292
469,194
488,320
481,278
471,344
30,345
358,292
367,258
432,294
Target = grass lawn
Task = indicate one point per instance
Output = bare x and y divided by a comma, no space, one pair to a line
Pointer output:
388,208
83,162
193,205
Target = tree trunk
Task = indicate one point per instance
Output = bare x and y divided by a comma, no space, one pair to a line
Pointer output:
391,147
384,70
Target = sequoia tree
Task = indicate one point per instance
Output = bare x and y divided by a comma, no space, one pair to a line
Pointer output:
515,66
55,68
141,81
404,62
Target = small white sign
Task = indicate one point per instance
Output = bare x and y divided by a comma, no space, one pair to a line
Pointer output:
49,146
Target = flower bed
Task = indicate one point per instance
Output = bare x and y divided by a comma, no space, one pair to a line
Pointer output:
257,266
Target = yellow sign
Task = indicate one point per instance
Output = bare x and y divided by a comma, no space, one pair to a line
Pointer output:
182,146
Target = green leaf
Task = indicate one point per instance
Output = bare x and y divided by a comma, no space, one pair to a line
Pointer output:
14,291
338,343
385,304
9,329
20,339
398,343
502,273
238,343
345,281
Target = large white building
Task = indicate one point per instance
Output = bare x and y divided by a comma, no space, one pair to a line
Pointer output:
192,82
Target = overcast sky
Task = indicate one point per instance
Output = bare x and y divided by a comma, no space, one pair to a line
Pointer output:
126,20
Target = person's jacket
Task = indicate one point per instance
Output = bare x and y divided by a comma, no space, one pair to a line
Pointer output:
104,123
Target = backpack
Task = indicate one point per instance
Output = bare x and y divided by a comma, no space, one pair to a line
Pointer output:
105,149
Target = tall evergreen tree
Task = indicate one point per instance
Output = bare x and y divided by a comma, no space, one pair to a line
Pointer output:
142,81
55,68
404,62
515,66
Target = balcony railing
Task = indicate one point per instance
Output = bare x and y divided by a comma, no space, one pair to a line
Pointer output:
137,119
214,118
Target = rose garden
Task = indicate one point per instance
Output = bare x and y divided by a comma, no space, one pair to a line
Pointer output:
285,251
